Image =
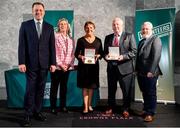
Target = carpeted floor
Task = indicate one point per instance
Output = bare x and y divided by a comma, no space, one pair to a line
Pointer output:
167,116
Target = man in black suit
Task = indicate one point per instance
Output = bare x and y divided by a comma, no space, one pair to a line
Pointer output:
148,70
122,67
36,55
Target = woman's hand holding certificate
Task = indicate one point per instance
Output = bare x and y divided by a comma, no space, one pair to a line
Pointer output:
89,56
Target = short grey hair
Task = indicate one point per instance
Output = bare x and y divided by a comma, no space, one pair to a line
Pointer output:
119,19
147,23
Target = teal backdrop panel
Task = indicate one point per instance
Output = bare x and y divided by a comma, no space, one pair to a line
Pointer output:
16,85
163,22
53,16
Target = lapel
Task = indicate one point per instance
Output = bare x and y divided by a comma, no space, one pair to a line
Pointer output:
123,36
43,28
141,46
111,39
33,25
141,43
146,43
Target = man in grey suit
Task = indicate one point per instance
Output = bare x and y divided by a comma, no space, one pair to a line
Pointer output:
36,55
148,70
121,67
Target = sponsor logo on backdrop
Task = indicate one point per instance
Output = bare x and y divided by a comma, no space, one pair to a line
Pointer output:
160,30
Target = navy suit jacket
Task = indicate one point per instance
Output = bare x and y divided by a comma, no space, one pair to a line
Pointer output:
148,56
127,47
36,52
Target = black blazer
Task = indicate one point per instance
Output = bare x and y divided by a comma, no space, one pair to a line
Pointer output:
36,52
148,56
127,47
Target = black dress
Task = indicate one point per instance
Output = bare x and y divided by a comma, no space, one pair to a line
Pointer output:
88,74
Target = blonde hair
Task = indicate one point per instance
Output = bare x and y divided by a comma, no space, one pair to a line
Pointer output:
68,25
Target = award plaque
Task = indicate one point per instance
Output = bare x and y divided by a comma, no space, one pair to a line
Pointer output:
113,53
89,56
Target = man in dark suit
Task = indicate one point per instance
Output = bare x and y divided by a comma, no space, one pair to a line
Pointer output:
148,70
36,55
121,68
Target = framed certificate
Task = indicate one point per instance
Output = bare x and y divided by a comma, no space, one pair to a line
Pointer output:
113,53
89,56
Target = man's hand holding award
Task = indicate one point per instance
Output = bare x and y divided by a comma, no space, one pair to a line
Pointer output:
113,53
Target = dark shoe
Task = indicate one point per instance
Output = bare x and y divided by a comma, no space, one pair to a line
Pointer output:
125,114
64,109
148,118
27,121
84,112
54,111
40,117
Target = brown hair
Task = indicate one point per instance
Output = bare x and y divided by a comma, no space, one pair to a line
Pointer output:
37,3
89,22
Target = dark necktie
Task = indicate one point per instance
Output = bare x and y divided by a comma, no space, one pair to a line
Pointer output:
38,29
116,41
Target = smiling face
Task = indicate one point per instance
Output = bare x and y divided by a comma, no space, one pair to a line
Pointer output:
117,25
38,12
89,29
146,30
63,26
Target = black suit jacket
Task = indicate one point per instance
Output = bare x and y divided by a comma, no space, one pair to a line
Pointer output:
36,52
149,55
127,47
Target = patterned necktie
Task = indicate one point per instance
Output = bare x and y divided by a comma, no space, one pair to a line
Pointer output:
116,41
38,29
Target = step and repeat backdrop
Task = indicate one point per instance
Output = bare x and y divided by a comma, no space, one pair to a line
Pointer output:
163,22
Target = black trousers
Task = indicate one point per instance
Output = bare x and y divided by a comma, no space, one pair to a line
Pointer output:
34,94
58,77
126,83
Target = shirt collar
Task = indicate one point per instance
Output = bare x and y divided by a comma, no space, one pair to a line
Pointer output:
41,21
119,34
148,38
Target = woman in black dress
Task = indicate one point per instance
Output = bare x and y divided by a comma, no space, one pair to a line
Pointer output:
88,71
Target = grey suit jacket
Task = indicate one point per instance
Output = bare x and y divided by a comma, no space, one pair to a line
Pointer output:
127,47
148,56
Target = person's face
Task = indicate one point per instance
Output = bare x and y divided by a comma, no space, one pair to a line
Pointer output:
146,31
63,26
38,12
117,26
89,29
